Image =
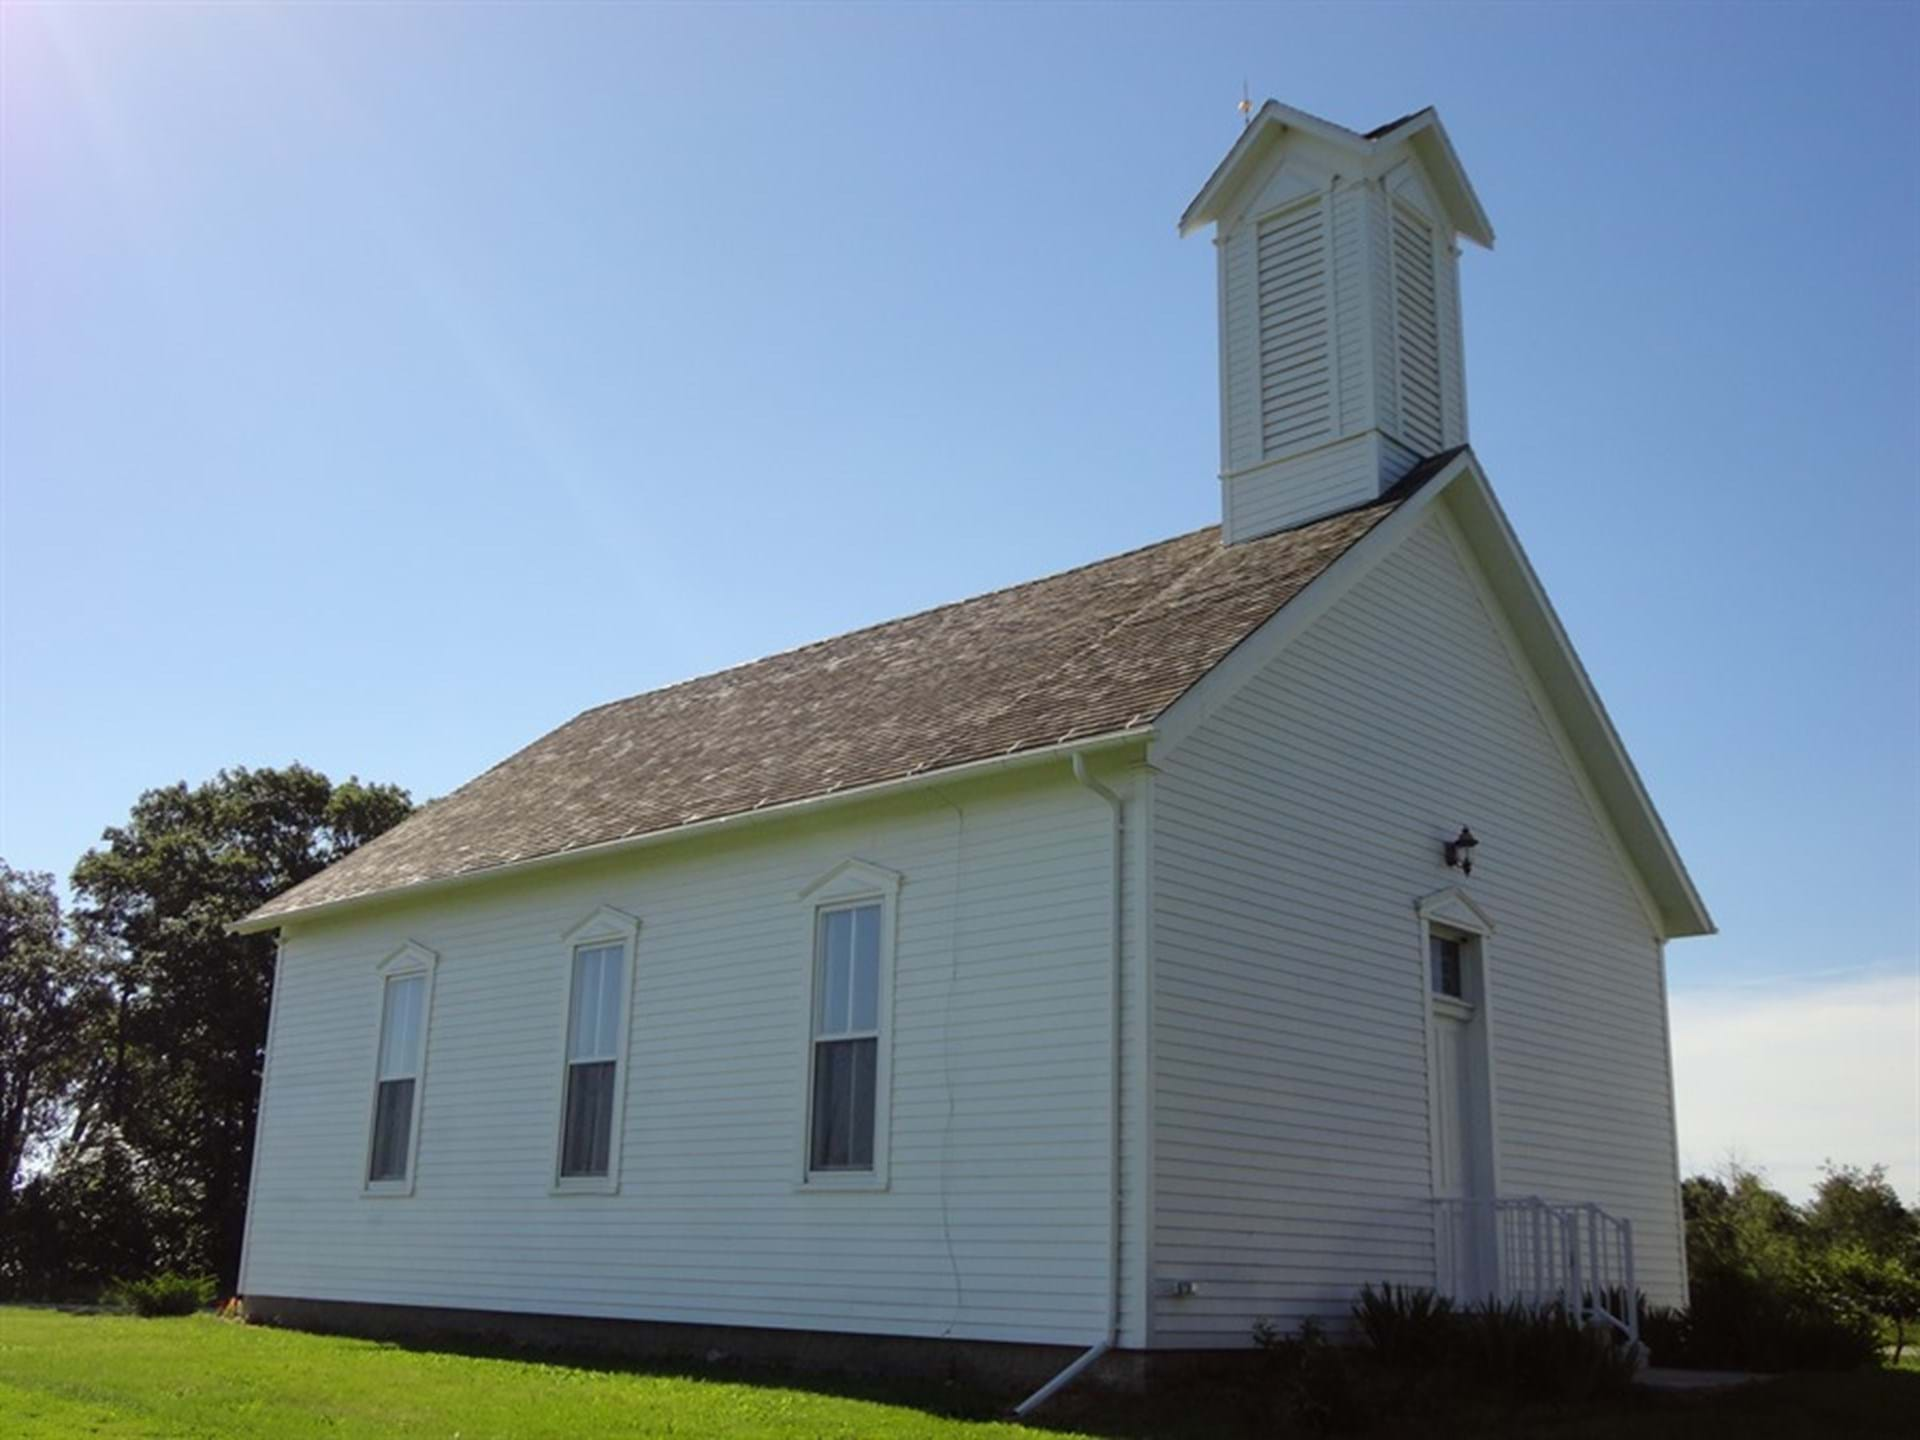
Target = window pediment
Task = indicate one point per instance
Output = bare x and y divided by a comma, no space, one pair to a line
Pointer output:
410,956
852,877
1454,907
606,923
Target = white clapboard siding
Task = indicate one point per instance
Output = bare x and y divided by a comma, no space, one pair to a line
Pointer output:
1395,460
1294,830
1417,336
994,1225
1291,492
1296,329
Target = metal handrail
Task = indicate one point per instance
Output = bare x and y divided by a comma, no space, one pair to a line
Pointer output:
1537,1252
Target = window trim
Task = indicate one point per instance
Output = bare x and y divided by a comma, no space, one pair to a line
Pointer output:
606,926
850,883
410,960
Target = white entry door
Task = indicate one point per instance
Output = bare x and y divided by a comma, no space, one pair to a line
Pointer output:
1454,1164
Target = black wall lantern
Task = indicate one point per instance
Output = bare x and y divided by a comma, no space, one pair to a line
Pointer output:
1460,851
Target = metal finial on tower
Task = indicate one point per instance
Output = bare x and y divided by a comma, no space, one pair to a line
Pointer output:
1246,105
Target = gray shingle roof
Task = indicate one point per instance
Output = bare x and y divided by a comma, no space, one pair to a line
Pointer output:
1103,648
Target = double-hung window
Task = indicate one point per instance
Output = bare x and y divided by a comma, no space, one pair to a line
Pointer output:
593,1058
845,1084
846,1037
600,960
400,1061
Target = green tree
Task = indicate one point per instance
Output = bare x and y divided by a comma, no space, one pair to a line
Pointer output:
1739,1222
49,988
184,1036
1760,1299
1881,1285
89,1220
1856,1206
1868,1243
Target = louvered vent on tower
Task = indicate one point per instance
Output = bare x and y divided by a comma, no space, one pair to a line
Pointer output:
1296,371
1416,332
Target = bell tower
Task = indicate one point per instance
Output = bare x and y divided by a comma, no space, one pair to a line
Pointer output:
1341,365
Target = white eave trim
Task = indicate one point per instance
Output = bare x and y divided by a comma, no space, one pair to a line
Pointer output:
1579,709
1019,759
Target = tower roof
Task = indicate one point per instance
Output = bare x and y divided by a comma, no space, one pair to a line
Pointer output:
1421,132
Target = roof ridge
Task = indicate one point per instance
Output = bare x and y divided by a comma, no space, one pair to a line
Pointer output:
1394,124
895,620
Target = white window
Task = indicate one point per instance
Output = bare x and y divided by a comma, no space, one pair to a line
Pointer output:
850,920
593,1080
1447,961
846,1037
393,1138
593,1057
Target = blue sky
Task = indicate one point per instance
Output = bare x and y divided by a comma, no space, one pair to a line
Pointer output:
381,385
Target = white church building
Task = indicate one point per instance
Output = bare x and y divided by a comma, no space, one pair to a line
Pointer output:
1111,961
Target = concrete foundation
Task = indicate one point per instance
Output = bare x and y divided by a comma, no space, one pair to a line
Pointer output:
987,1366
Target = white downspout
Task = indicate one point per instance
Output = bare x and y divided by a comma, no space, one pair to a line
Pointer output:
1112,1333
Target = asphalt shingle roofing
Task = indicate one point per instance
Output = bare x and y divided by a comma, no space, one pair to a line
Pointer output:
1088,652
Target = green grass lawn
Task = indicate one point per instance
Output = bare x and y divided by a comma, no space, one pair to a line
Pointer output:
67,1375
115,1376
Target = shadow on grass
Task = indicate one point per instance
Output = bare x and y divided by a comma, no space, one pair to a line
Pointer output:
1223,1402
1237,1401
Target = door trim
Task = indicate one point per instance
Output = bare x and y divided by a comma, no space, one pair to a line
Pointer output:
1455,913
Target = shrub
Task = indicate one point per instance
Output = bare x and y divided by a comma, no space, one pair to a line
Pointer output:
1406,1327
1790,1319
1540,1352
1317,1386
1667,1332
1438,1362
166,1294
